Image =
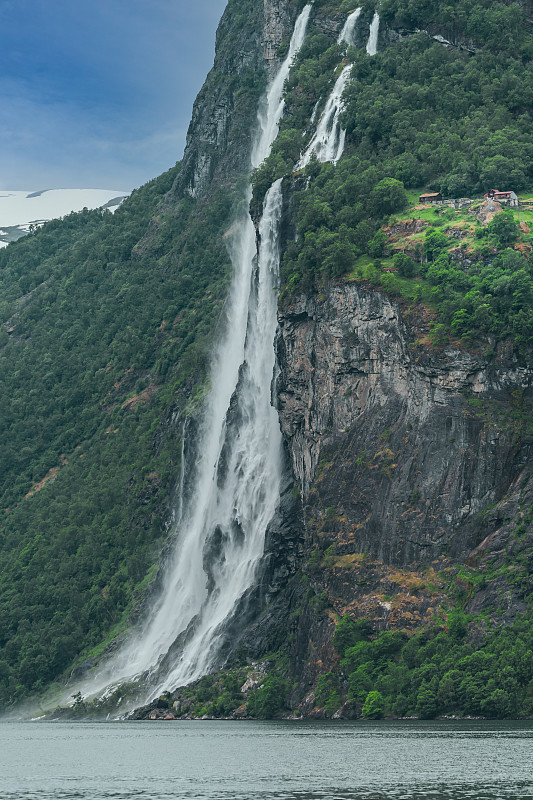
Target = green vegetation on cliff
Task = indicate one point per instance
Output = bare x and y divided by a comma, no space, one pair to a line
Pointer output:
436,672
417,114
107,323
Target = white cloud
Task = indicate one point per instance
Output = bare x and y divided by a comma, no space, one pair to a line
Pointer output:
119,116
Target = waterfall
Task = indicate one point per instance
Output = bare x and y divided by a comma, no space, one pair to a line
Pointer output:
271,111
372,44
224,540
328,141
221,527
329,138
346,35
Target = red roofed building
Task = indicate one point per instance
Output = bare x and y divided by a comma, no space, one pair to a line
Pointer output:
511,198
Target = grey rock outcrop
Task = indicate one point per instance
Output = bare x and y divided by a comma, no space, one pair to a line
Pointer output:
397,447
222,127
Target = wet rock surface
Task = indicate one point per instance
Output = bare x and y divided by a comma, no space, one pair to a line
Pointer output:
412,463
397,447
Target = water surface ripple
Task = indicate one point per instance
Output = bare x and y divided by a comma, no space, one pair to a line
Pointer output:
266,761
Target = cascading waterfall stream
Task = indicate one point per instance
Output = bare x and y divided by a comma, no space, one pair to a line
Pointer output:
221,527
328,141
348,29
245,488
372,44
329,138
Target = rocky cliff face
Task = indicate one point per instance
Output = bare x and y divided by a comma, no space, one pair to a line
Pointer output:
400,442
222,127
411,461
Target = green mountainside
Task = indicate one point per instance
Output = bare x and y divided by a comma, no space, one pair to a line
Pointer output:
108,320
101,344
418,114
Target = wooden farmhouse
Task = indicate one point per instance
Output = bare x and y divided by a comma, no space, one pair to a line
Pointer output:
509,198
430,197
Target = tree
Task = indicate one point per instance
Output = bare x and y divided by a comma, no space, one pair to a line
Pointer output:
438,334
373,707
400,705
499,171
360,683
434,242
503,228
447,692
404,264
266,701
348,633
376,247
387,197
498,704
327,693
457,625
426,703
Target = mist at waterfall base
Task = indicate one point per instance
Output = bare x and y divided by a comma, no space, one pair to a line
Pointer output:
237,468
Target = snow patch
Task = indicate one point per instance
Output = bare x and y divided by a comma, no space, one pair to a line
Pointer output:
20,209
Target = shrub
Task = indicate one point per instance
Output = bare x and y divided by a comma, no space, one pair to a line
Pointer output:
373,707
404,264
268,700
328,693
348,633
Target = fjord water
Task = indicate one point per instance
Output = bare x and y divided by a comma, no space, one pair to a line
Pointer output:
237,468
266,761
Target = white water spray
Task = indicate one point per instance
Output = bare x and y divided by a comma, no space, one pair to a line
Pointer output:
270,114
329,138
372,44
328,141
221,527
346,35
226,534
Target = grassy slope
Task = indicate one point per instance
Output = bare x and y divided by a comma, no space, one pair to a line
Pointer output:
459,225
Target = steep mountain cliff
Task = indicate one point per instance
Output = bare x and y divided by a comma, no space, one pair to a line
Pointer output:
108,325
403,538
414,464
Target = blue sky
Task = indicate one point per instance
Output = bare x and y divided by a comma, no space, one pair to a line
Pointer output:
98,93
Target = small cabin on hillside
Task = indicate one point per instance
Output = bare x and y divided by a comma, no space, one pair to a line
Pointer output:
430,197
509,198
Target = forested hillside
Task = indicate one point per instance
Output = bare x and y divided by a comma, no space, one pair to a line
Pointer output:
101,344
456,119
108,320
